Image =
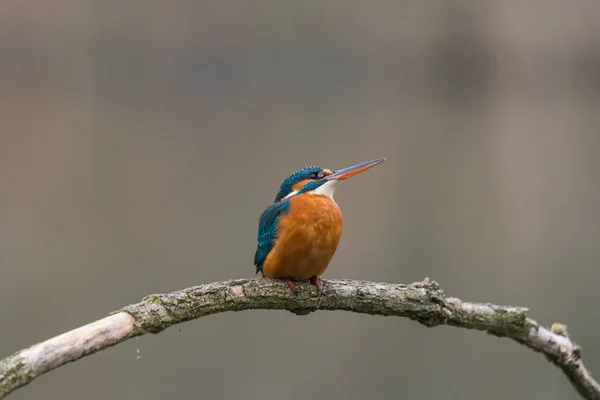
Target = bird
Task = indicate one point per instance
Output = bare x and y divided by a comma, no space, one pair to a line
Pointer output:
299,232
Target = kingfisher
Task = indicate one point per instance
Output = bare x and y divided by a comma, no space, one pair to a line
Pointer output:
299,232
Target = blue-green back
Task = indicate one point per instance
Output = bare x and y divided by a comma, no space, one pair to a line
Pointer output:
267,231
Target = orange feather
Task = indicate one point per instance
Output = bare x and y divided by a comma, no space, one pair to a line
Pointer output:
308,236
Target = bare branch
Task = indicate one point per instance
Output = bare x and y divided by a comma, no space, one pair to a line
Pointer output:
423,302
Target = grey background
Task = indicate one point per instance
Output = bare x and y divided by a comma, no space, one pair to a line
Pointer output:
140,141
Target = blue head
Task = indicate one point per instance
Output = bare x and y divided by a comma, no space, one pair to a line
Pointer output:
318,179
290,184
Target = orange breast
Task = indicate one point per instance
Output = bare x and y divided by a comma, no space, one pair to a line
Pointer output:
308,236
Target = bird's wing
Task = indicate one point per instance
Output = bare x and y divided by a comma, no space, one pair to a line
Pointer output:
267,231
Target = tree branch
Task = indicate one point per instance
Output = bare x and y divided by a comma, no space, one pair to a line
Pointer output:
423,302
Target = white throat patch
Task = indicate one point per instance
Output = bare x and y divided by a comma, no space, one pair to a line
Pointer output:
326,189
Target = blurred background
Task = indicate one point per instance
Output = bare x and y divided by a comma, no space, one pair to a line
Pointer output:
140,141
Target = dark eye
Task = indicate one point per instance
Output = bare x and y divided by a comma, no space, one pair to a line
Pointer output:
313,175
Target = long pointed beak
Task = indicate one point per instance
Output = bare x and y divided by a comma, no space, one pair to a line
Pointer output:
346,173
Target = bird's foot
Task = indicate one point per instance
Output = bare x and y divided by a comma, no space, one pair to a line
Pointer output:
291,284
315,280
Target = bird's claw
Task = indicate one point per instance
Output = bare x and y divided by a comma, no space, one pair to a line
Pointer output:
291,284
315,280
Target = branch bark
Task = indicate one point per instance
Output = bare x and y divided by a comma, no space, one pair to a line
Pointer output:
423,302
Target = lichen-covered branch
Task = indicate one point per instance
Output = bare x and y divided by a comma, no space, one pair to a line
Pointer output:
423,302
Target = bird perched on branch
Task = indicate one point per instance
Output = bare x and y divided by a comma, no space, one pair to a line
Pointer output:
299,232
